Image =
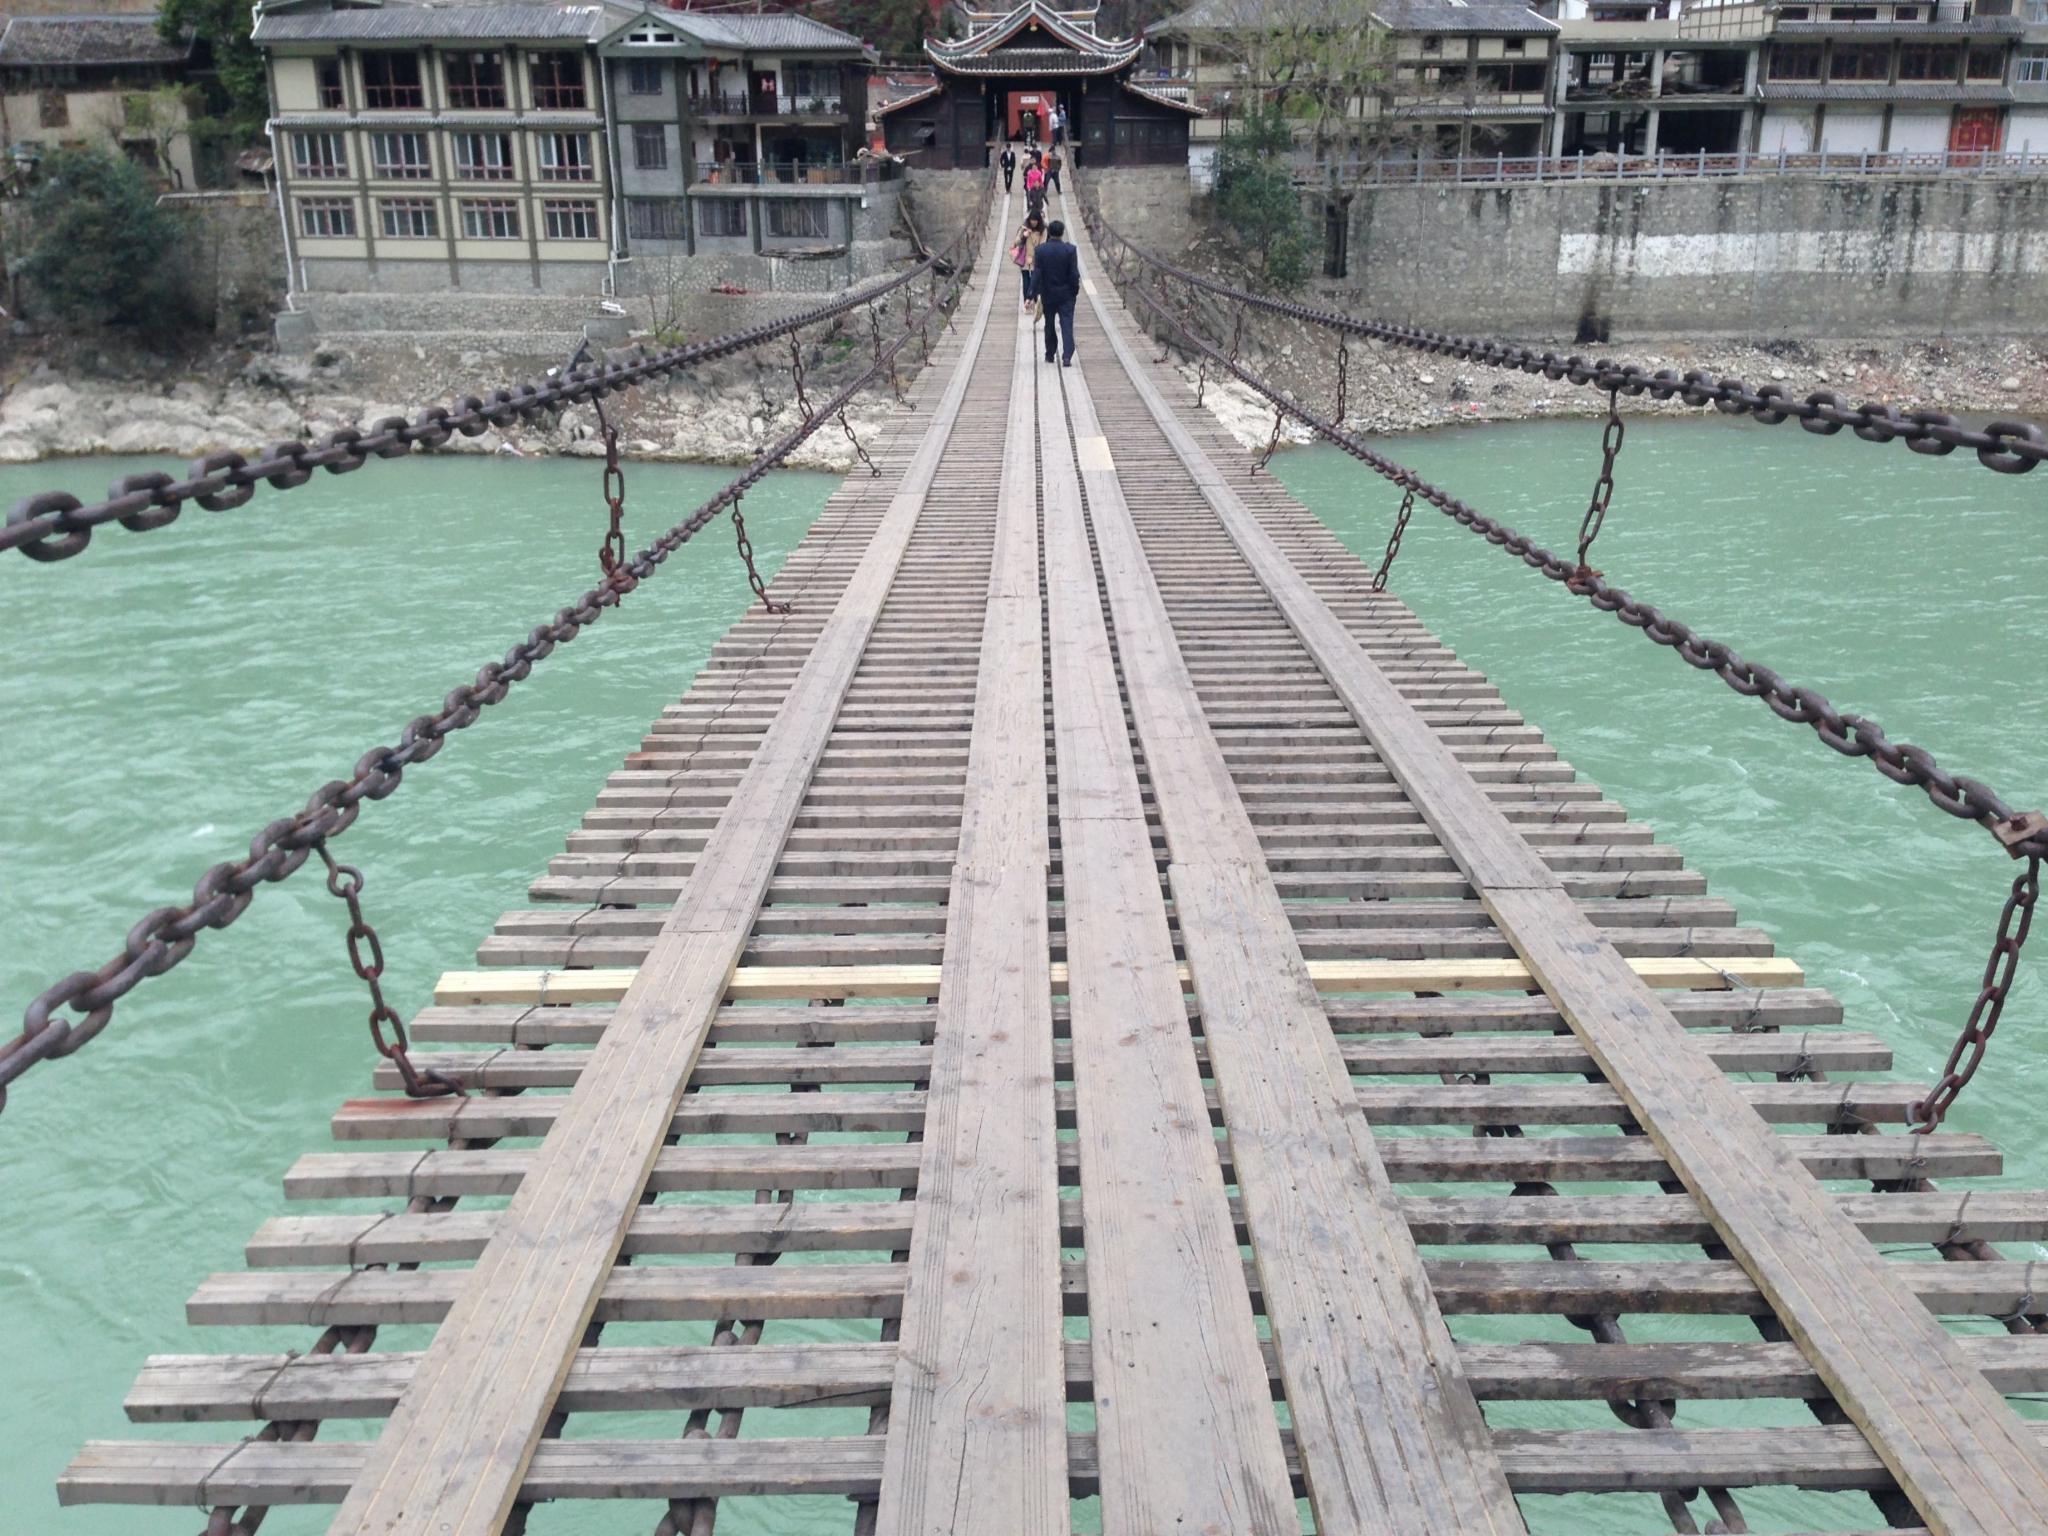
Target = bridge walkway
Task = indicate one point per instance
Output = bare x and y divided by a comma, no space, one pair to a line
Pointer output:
1095,1017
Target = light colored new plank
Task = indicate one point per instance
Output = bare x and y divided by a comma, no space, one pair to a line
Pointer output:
1959,1452
1187,1436
1390,1435
820,981
978,1417
452,1457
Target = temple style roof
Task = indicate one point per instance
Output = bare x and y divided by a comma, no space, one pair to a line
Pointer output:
1052,41
78,40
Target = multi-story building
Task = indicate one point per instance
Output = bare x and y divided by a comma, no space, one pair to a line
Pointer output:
540,146
1896,76
1639,77
1418,77
114,81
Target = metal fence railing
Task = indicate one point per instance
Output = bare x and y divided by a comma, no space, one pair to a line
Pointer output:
1664,166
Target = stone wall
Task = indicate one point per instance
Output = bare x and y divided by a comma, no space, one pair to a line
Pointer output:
1155,206
940,203
1751,257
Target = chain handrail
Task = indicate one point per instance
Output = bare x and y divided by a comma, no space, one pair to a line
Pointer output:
2022,834
2010,447
56,525
165,936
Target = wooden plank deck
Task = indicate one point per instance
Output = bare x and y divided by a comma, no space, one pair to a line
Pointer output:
1097,1006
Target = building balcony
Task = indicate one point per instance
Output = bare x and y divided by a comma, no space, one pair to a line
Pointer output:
737,174
1965,26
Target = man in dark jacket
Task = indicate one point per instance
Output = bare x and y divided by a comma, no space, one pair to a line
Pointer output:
1056,279
1009,165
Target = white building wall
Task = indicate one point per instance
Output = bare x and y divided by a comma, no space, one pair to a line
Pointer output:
2026,128
1850,133
1786,128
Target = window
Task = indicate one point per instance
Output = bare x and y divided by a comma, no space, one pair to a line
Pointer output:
391,82
327,218
558,82
655,218
2033,68
800,219
1860,61
566,157
476,80
1507,45
400,156
327,83
1795,61
1926,61
1985,62
814,82
721,216
1794,13
483,156
53,109
1432,45
490,219
643,77
650,147
569,220
1852,13
408,218
318,155
1906,13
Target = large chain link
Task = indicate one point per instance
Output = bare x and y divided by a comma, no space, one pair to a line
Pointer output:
611,553
55,525
366,955
1379,577
2010,447
1967,1054
739,528
165,936
1603,491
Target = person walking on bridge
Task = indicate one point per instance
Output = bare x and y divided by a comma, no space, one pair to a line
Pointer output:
1056,274
1034,188
1052,170
1008,162
1025,248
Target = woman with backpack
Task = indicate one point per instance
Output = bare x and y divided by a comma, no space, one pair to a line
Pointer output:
1024,250
1034,189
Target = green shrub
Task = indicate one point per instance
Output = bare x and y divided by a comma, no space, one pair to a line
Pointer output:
1256,199
98,246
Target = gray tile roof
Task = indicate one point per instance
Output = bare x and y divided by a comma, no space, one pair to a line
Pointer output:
535,20
54,40
1488,16
1973,26
1038,61
1988,93
765,31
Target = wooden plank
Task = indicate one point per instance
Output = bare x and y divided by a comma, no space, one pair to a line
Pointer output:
977,1420
451,1459
1391,1437
1187,1435
899,981
192,1389
1536,1461
1957,1449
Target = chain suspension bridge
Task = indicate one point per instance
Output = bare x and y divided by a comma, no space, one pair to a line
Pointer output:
1081,930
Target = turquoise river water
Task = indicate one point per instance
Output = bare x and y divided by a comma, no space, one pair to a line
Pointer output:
165,695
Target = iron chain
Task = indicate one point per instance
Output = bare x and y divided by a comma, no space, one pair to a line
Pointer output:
1967,1054
1603,490
739,528
55,525
366,955
2010,447
796,376
1343,379
611,553
1379,577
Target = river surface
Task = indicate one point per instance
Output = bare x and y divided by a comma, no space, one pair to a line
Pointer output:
166,694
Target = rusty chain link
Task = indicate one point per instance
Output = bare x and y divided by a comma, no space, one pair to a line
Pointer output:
1343,378
1379,577
1967,1054
859,452
346,882
164,937
739,528
55,525
2010,447
611,553
1603,491
796,376
1272,441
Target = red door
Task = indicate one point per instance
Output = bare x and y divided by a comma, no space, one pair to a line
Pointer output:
1976,130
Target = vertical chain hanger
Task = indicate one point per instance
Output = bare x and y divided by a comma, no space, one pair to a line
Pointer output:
1379,577
1603,491
366,955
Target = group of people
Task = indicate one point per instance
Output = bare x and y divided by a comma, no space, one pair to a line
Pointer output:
1041,170
1051,269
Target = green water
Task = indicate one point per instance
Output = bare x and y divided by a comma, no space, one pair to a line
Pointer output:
166,694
